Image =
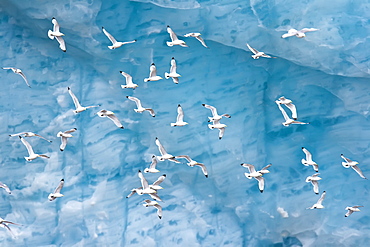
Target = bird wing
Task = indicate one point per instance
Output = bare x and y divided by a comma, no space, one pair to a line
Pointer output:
153,70
62,44
63,144
136,100
110,37
60,186
56,25
131,194
180,114
172,34
261,183
315,186
187,157
24,78
9,68
212,108
250,167
358,170
173,66
200,39
160,147
154,162
4,186
283,112
357,206
252,49
151,111
128,77
159,180
115,120
204,168
348,213
154,196
74,98
144,182
321,198
70,131
305,30
266,167
293,109
42,137
175,80
28,146
159,210
308,154
18,134
346,159
221,132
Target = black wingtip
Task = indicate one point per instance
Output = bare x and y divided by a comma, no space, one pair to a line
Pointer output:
20,137
62,179
75,128
102,27
178,105
127,96
324,191
302,147
164,175
316,193
139,170
53,18
220,138
206,176
168,25
10,135
160,217
135,40
261,191
126,196
152,64
242,164
122,127
341,154
345,215
69,88
173,58
203,104
156,138
153,116
120,71
153,156
62,150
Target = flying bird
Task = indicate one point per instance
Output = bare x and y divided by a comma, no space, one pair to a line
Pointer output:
154,204
63,136
31,154
57,34
129,83
288,103
314,179
111,116
174,39
151,190
197,36
299,34
215,115
5,187
144,184
153,74
19,72
115,43
140,109
257,174
349,163
318,204
352,209
180,117
308,161
79,107
173,74
29,134
152,168
257,54
5,222
217,125
193,163
164,154
288,121
57,194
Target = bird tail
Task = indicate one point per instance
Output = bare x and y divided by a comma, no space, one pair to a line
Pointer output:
111,47
248,175
345,164
173,124
146,79
166,75
169,43
50,34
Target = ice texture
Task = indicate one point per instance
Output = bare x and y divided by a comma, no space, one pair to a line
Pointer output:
326,74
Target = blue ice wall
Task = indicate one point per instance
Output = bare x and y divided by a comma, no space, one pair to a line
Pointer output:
325,74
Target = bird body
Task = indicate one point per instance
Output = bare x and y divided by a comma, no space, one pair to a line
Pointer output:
31,153
180,117
57,35
63,136
174,39
129,83
115,44
140,108
111,116
354,164
299,34
198,37
153,74
308,161
173,73
56,193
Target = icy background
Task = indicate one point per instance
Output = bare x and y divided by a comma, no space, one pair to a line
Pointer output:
326,75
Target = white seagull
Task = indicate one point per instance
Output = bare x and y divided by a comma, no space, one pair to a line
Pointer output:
256,174
29,134
197,36
314,179
116,44
111,116
31,154
258,54
288,121
299,34
79,107
5,222
152,168
173,74
288,103
318,204
129,83
19,72
180,117
63,136
5,187
154,204
174,39
215,116
165,155
139,106
352,209
193,163
57,194
57,34
217,125
308,161
349,163
153,74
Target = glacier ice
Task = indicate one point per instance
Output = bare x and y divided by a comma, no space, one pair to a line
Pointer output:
325,74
